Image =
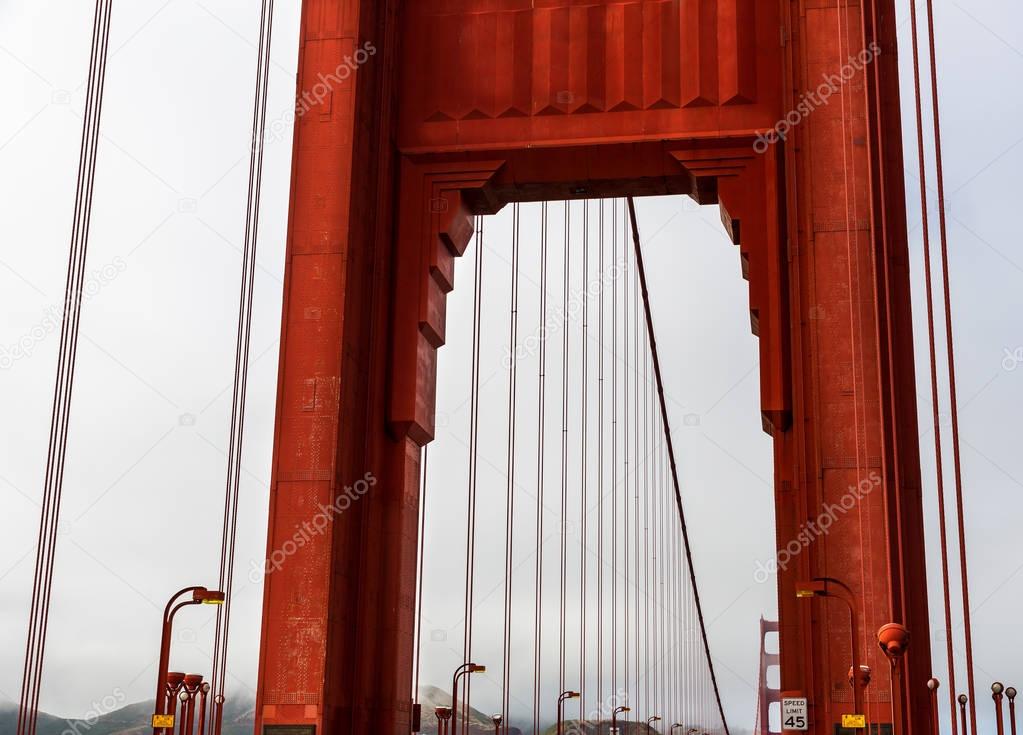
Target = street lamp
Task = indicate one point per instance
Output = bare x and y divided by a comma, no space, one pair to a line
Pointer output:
614,716
218,714
497,720
192,684
932,685
443,715
204,691
963,700
894,640
996,694
655,718
1011,694
466,668
568,694
672,728
200,596
830,587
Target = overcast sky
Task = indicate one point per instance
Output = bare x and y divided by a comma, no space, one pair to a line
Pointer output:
149,429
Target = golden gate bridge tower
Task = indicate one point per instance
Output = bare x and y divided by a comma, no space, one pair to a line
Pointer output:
417,119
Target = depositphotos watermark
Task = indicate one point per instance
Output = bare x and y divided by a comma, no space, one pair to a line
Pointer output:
811,101
110,703
602,711
308,530
556,317
821,526
1012,360
324,87
53,315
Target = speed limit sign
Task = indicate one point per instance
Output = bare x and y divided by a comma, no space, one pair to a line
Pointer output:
794,714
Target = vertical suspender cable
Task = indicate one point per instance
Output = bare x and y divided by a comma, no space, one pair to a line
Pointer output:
671,459
600,455
422,565
614,450
584,456
933,364
950,349
566,272
513,344
241,367
648,476
470,537
38,626
625,443
637,479
540,456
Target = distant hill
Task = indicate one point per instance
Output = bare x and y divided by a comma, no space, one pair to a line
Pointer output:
625,727
239,719
431,697
133,719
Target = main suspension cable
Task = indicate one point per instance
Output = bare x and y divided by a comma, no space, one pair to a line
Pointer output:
671,457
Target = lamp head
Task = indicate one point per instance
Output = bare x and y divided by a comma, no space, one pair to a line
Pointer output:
893,640
477,669
497,719
997,689
963,699
812,588
864,677
933,684
1010,693
208,597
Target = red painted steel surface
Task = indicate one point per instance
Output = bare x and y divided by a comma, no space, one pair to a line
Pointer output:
457,107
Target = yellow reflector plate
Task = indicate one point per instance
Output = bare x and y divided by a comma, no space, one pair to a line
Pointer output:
163,720
854,721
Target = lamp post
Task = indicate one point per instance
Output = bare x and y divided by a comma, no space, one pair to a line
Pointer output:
218,713
830,587
1011,694
497,720
443,715
672,728
996,694
568,694
932,685
894,640
649,720
466,668
963,700
200,596
175,681
192,684
614,716
204,691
